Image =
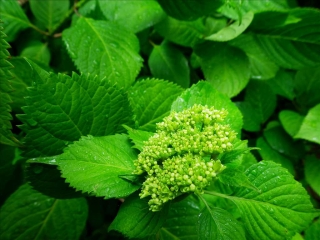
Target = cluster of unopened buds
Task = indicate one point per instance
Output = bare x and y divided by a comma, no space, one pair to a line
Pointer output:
181,156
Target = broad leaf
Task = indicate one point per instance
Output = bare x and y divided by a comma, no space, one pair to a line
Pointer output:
261,66
283,84
235,177
28,214
138,137
151,100
94,164
167,62
14,19
203,93
269,154
291,121
49,12
225,67
310,128
60,109
279,210
189,10
135,220
38,52
104,49
306,85
313,232
184,33
134,15
311,171
233,30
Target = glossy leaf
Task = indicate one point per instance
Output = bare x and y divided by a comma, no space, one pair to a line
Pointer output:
225,67
310,128
151,100
235,177
38,52
313,231
167,62
134,15
291,121
93,165
203,93
28,214
283,84
104,49
135,220
311,171
138,137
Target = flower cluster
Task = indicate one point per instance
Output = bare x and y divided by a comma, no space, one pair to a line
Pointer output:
180,156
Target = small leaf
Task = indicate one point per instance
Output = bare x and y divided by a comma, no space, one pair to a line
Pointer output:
167,62
37,52
27,214
232,31
94,164
283,84
291,121
310,128
225,67
104,49
135,220
311,171
134,15
151,100
138,137
204,94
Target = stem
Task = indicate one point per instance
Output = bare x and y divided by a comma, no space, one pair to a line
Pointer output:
218,194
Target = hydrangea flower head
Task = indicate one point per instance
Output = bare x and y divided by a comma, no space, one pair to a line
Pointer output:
181,156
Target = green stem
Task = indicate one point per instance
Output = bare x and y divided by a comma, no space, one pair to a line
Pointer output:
218,194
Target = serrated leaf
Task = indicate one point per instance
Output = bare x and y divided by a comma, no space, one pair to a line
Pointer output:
235,177
259,103
151,100
189,10
269,154
138,137
167,62
311,171
135,220
38,52
283,84
306,84
291,121
134,15
203,93
27,214
313,231
94,164
218,224
261,66
61,109
14,19
233,30
104,49
281,209
310,127
225,67
185,33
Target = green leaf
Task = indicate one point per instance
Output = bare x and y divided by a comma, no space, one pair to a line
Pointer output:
313,232
134,15
310,128
269,154
138,137
203,93
135,220
6,166
261,66
283,84
311,171
259,103
235,177
225,67
233,30
94,164
185,33
291,121
61,109
49,12
151,100
27,214
306,84
167,62
189,10
14,19
38,52
281,209
104,49
217,223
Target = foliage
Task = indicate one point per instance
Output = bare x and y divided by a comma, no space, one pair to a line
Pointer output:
159,119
